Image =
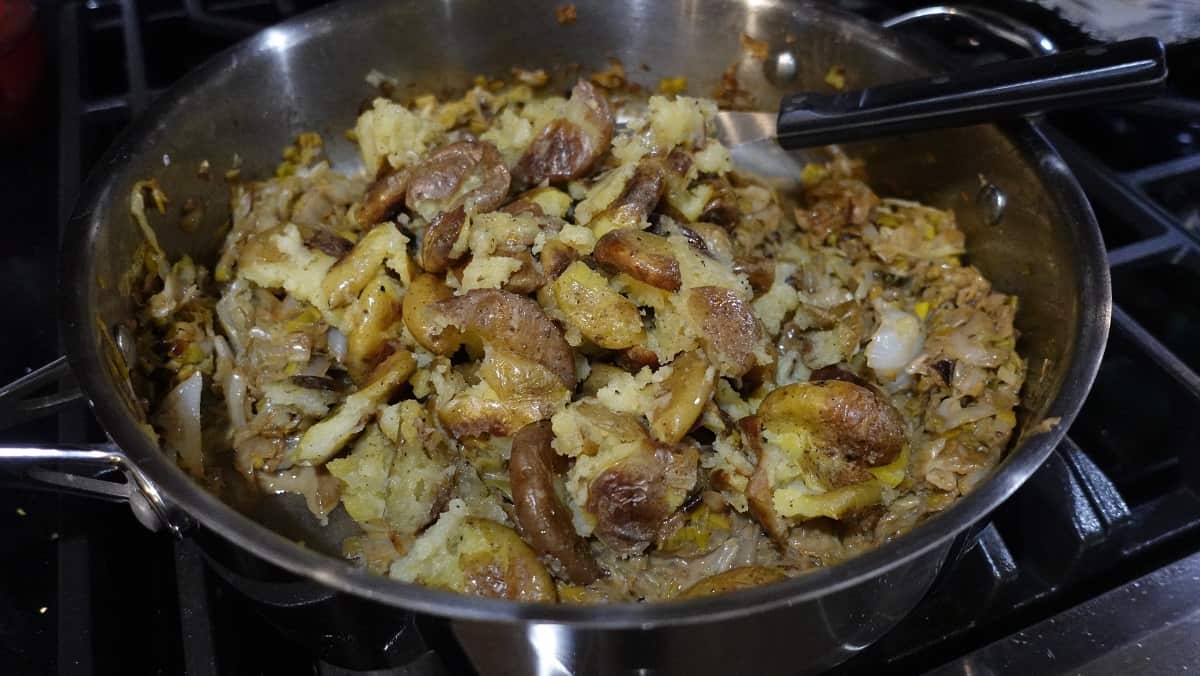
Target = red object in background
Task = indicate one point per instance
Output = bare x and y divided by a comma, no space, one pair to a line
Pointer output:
21,63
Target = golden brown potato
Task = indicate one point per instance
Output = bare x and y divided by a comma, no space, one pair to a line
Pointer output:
685,393
502,565
419,316
644,256
842,418
826,449
514,392
727,328
570,146
641,194
733,580
722,207
602,315
321,441
632,499
473,555
346,279
514,324
545,521
370,323
586,426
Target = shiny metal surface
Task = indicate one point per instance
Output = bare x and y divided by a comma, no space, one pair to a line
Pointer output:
1148,626
994,23
306,75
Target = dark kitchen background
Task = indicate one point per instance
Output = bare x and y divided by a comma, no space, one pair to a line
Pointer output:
1094,565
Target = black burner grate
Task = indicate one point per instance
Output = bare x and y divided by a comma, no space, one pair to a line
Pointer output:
1118,497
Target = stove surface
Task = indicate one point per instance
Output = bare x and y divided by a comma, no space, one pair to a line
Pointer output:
91,592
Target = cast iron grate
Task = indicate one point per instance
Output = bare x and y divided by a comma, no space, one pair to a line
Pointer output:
1118,497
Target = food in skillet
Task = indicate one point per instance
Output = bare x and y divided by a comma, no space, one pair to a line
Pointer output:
539,357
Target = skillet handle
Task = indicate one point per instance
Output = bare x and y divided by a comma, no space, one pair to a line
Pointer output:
51,466
1129,70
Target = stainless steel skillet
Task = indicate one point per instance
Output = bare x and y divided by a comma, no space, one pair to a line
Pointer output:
307,74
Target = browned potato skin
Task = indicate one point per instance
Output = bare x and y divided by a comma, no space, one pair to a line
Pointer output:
602,315
367,341
384,197
759,271
733,580
565,149
556,257
644,256
758,490
634,359
853,421
513,323
513,573
545,521
423,292
328,242
722,206
438,178
835,373
439,239
527,392
730,332
527,278
641,194
441,174
630,499
837,203
688,388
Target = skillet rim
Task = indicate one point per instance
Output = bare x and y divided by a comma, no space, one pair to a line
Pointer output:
85,356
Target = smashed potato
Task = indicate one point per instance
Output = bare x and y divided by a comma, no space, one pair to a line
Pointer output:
537,355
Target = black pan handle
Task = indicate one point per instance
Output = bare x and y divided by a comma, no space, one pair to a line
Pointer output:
1103,74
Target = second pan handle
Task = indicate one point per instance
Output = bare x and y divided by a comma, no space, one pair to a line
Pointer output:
1103,74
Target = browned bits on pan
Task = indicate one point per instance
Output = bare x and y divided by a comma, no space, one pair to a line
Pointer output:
513,323
384,197
633,499
758,49
545,521
728,329
565,14
644,256
569,147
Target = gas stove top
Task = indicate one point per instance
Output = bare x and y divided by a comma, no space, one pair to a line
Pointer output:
1112,520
